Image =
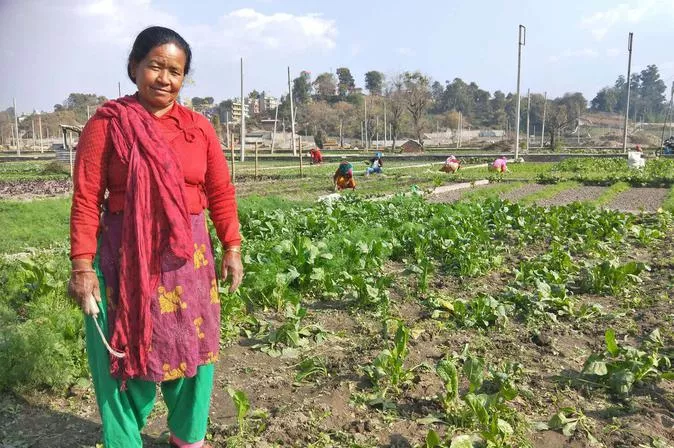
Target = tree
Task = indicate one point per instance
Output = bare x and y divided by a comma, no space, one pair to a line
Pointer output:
302,88
563,112
417,100
395,101
374,82
346,84
325,86
606,100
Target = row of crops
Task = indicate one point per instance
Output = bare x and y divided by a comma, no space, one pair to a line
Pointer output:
371,257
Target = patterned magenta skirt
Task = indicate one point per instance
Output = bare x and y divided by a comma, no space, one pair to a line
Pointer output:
185,309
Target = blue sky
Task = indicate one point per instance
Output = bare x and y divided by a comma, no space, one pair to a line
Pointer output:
50,48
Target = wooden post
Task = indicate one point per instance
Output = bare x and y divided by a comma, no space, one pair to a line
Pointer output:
231,154
299,141
39,125
273,135
256,162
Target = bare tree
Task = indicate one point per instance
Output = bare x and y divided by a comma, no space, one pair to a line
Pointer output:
417,99
395,102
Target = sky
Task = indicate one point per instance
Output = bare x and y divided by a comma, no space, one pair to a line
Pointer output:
50,48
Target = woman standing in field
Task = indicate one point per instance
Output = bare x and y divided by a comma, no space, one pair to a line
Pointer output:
143,271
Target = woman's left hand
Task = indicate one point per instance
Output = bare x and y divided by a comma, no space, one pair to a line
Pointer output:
232,268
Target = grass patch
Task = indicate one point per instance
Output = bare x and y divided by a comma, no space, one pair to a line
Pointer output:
548,192
610,193
493,190
669,201
33,224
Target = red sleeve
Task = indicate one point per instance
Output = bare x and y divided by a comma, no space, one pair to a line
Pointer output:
90,183
220,192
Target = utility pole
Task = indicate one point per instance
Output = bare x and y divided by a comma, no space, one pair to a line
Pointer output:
292,115
119,89
341,139
667,117
273,136
39,125
242,156
377,132
521,41
229,135
32,124
17,139
384,123
367,141
458,128
545,105
528,117
362,135
627,104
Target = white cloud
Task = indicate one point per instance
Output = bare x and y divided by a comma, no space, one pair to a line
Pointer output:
585,53
244,30
601,22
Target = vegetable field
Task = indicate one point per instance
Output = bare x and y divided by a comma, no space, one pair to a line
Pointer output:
400,322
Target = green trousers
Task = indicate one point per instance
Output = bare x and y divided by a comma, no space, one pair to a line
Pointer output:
124,413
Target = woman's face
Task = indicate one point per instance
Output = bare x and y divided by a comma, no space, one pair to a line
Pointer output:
159,77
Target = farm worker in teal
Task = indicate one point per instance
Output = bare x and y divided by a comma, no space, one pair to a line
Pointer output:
343,177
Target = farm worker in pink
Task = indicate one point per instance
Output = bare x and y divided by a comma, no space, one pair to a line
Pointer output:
452,165
500,165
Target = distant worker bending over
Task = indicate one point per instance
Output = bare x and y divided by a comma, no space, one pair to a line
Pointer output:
500,165
316,156
343,177
451,165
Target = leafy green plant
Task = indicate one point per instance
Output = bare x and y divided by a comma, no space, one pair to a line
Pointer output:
388,371
291,335
619,368
610,277
311,367
568,420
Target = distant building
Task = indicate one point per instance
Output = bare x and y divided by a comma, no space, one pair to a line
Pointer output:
236,110
411,146
267,102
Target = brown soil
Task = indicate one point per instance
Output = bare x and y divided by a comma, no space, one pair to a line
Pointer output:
578,194
640,199
34,189
453,196
518,193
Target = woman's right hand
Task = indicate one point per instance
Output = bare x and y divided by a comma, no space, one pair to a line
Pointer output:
83,287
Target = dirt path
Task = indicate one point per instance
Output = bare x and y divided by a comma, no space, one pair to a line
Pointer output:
640,199
578,194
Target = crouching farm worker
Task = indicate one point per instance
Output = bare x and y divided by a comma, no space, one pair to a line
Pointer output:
343,177
376,165
316,156
499,165
451,165
144,273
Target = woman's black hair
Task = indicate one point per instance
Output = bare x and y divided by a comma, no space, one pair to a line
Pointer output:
152,37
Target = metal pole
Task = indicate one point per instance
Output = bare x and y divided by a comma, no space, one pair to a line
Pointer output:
669,111
528,116
362,135
229,136
341,139
242,156
299,141
578,129
521,41
627,103
231,156
88,114
39,125
377,133
273,136
32,125
17,139
292,115
545,104
367,141
119,89
458,126
384,123
256,162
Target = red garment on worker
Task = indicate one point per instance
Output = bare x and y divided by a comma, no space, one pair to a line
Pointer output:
145,161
